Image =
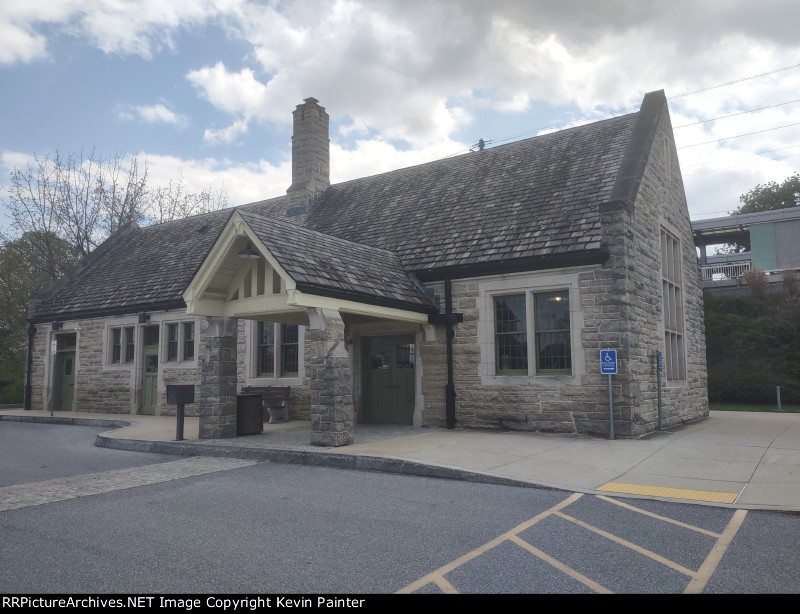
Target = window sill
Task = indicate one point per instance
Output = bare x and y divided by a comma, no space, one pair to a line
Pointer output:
274,381
179,365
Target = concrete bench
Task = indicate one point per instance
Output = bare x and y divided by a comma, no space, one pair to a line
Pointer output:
275,401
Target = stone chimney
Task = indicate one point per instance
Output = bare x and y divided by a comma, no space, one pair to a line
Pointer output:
310,153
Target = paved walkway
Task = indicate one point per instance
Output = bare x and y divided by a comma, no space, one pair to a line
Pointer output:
61,489
731,459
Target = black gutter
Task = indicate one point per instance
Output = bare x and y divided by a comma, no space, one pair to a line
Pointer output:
110,311
29,368
516,265
450,389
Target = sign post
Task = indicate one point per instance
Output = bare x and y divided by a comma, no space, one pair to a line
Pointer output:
659,371
608,366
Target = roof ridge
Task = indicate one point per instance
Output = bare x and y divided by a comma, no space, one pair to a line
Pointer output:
488,149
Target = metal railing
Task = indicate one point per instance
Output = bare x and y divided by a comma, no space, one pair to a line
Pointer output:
719,272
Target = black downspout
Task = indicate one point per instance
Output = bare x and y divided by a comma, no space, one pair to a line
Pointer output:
450,389
28,386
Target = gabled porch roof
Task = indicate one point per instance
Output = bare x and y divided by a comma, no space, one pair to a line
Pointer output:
299,268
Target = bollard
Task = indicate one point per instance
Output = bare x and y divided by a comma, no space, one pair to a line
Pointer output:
778,392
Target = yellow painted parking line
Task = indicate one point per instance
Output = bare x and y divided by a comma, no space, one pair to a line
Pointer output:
447,588
437,575
624,542
599,588
658,516
670,493
708,567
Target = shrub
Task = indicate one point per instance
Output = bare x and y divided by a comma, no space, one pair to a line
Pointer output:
790,279
757,281
753,345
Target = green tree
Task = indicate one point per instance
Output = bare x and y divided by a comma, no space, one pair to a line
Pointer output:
60,208
765,197
771,196
27,265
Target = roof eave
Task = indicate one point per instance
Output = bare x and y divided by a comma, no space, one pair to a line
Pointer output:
516,265
88,314
367,299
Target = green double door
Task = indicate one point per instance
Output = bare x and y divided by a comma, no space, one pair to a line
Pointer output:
65,381
150,370
388,384
64,372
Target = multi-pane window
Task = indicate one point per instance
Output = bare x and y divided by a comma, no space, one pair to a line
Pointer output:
510,334
289,350
180,341
122,344
188,340
553,346
671,284
116,344
285,362
172,342
266,349
540,320
129,344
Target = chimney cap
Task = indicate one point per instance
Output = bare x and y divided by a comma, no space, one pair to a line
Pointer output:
310,100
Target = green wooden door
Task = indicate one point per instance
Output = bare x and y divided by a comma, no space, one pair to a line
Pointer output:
388,391
65,373
150,371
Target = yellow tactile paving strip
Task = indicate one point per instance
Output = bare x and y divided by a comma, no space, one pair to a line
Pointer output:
697,578
670,493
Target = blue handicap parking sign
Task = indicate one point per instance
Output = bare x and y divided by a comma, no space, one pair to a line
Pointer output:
608,362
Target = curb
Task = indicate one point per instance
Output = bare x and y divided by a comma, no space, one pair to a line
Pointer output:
278,455
309,458
66,420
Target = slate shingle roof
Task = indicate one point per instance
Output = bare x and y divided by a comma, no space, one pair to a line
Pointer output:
321,264
533,197
148,266
536,197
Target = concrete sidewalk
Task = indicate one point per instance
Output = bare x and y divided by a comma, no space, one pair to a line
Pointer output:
731,459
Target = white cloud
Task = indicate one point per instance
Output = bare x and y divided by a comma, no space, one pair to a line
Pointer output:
238,93
244,183
416,72
152,114
140,27
228,134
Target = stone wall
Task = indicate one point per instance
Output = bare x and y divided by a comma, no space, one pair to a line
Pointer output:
620,307
661,202
115,389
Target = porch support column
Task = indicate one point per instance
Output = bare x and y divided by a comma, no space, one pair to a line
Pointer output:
218,380
328,365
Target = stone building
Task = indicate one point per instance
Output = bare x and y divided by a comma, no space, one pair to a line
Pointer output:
475,291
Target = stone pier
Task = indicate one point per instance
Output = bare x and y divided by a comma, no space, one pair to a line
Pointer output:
218,380
328,365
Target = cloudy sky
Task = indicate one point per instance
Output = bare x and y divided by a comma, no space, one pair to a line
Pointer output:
205,88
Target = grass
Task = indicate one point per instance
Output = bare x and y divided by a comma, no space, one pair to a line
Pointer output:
787,408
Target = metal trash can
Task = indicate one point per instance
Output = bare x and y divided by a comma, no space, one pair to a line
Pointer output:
249,414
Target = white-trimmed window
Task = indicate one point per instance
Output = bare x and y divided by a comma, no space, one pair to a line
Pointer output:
179,341
533,327
277,350
122,344
671,283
